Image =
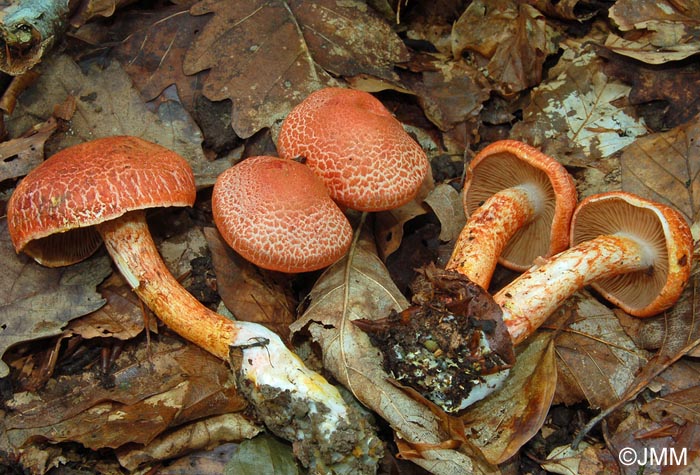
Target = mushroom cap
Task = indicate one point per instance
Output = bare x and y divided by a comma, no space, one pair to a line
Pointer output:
507,163
361,152
277,214
50,213
669,240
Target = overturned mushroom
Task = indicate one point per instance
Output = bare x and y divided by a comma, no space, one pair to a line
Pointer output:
100,189
277,214
635,252
519,203
361,152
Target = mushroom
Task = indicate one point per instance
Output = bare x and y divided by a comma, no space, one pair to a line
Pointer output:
361,152
519,202
634,252
103,187
277,214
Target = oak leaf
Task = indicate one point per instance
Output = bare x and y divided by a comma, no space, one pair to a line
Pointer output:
359,287
267,56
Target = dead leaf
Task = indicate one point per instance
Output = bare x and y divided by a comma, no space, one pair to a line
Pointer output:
265,451
152,49
122,316
513,37
451,93
250,293
673,89
597,360
665,167
109,105
37,301
292,46
137,408
359,287
581,115
446,203
89,9
503,422
19,156
580,10
630,14
203,434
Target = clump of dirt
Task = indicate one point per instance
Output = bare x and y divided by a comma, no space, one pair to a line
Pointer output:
447,343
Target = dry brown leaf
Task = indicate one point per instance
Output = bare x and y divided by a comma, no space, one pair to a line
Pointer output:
19,156
359,287
597,360
675,87
580,10
107,104
199,435
507,419
37,301
267,56
388,225
451,93
580,116
446,203
250,293
153,47
122,316
650,14
665,167
137,408
638,439
513,38
87,10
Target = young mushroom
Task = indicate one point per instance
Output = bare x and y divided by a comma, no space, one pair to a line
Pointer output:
519,202
361,152
101,189
277,214
634,252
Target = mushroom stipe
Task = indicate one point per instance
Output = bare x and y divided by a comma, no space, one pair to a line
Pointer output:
106,184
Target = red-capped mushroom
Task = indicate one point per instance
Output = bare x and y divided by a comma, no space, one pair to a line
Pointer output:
361,152
519,203
634,252
277,214
103,186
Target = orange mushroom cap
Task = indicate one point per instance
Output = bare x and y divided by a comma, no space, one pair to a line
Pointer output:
663,233
277,214
508,163
50,213
361,152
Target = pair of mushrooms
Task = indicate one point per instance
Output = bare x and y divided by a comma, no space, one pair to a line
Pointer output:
275,211
338,147
522,212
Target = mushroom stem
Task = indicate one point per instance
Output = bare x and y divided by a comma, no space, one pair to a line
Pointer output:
268,369
533,296
488,230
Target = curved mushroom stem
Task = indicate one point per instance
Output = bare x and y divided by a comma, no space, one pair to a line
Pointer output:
273,378
529,300
488,230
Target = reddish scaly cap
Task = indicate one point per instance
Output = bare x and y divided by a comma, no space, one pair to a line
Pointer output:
277,214
362,153
96,181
